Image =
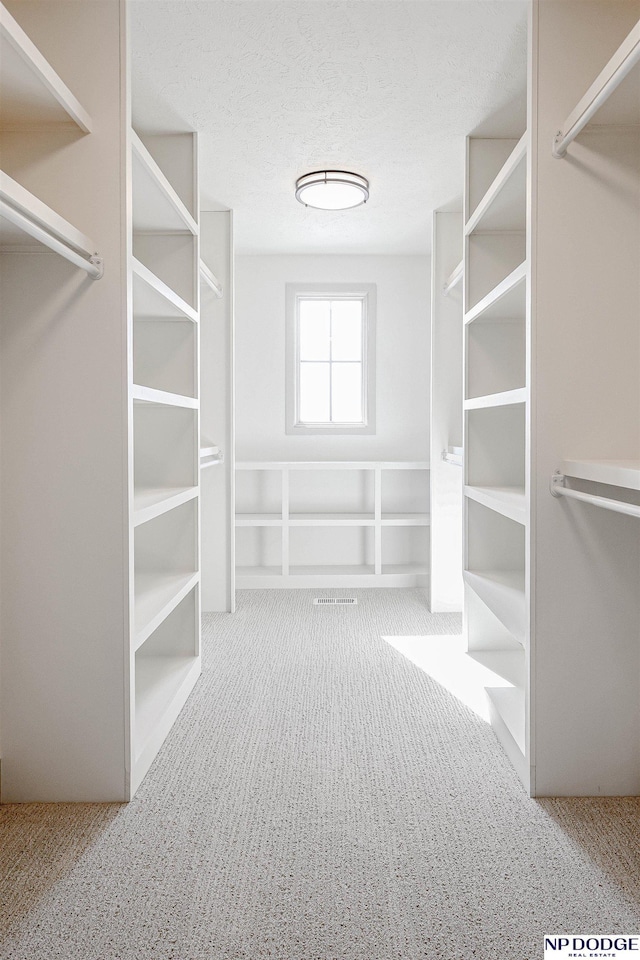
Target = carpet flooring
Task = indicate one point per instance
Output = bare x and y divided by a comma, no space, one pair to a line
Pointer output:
320,798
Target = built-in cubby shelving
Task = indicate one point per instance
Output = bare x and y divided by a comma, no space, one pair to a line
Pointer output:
164,398
299,523
496,412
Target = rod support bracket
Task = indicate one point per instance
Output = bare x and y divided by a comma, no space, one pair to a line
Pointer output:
555,152
98,263
557,481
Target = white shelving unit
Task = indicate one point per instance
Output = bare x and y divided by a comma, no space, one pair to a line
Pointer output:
552,406
165,430
288,535
496,430
216,413
445,434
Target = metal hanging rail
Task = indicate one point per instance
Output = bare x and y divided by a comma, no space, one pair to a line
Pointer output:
450,456
618,506
93,266
453,279
619,66
208,277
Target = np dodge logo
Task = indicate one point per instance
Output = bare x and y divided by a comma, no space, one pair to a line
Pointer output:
587,945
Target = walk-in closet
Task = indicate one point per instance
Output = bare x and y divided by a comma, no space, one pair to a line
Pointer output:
196,403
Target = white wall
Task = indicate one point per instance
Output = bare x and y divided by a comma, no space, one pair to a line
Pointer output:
402,357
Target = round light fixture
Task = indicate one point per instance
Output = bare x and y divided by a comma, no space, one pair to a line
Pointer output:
332,190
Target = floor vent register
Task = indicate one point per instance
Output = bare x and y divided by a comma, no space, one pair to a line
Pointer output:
324,601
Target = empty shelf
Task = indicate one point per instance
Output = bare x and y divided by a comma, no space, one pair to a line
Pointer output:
503,593
331,464
159,681
332,570
505,399
150,395
508,664
405,520
616,473
505,302
157,208
503,207
508,708
157,594
258,520
259,572
331,520
153,502
509,501
32,91
154,300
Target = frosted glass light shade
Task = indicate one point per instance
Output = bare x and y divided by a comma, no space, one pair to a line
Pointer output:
332,190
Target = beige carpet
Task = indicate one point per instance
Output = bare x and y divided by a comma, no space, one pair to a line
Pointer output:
321,798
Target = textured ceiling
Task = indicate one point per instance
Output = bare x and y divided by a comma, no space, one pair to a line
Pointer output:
277,88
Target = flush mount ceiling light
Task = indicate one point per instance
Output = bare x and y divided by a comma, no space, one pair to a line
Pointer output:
332,190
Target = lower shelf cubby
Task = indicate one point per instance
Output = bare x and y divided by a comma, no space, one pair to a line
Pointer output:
405,552
166,666
258,552
166,446
495,356
495,568
405,492
165,566
259,492
320,550
164,354
495,446
492,645
331,491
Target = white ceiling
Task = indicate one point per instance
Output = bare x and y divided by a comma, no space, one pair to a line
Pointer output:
277,88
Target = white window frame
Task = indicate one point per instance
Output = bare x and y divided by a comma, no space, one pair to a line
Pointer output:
331,291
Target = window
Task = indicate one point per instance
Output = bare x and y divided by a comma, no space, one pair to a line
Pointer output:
330,359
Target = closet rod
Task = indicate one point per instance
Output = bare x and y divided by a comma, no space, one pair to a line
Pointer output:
214,462
454,458
618,506
574,126
93,266
453,280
